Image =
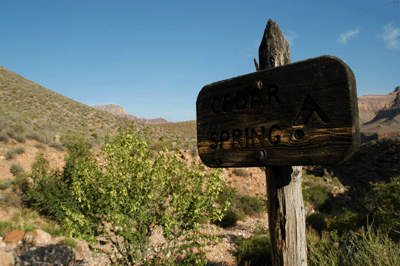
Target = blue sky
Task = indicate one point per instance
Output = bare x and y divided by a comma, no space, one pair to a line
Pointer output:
153,57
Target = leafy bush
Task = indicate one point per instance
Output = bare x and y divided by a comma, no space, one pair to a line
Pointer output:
316,195
227,193
251,205
57,145
317,222
131,198
3,137
240,206
40,145
364,247
20,139
35,136
324,250
5,184
70,242
371,247
5,227
19,150
15,169
230,218
10,132
156,145
10,154
383,203
253,251
46,191
19,128
194,151
242,172
348,221
10,199
21,183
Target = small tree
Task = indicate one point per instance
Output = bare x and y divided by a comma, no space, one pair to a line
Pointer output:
132,195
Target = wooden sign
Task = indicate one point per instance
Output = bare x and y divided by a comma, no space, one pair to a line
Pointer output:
305,113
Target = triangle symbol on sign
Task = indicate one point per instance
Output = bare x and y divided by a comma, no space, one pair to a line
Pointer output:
307,109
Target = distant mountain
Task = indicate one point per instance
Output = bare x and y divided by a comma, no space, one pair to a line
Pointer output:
120,111
386,123
369,105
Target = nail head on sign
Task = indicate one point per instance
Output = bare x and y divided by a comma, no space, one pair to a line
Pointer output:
261,155
299,134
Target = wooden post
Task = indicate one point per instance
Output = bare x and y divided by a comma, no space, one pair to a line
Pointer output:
286,213
278,117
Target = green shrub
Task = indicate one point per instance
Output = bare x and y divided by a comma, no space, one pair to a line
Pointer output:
4,138
365,247
35,136
156,145
317,222
133,195
10,199
194,152
323,250
316,195
230,218
70,242
10,154
95,135
348,221
21,183
227,193
383,203
47,192
5,227
20,139
57,145
40,145
19,150
253,251
251,205
5,184
19,128
240,206
371,247
241,172
15,169
10,132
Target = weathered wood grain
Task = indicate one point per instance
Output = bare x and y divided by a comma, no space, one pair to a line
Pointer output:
286,213
300,114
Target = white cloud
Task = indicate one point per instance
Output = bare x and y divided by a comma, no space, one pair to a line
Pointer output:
390,36
348,34
290,37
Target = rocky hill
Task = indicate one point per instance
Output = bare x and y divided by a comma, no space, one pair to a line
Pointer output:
120,111
369,105
386,122
379,115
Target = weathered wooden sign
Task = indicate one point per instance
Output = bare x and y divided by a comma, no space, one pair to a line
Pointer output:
305,113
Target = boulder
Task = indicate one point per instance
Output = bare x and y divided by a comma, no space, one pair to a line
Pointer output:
6,258
29,237
41,237
13,237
